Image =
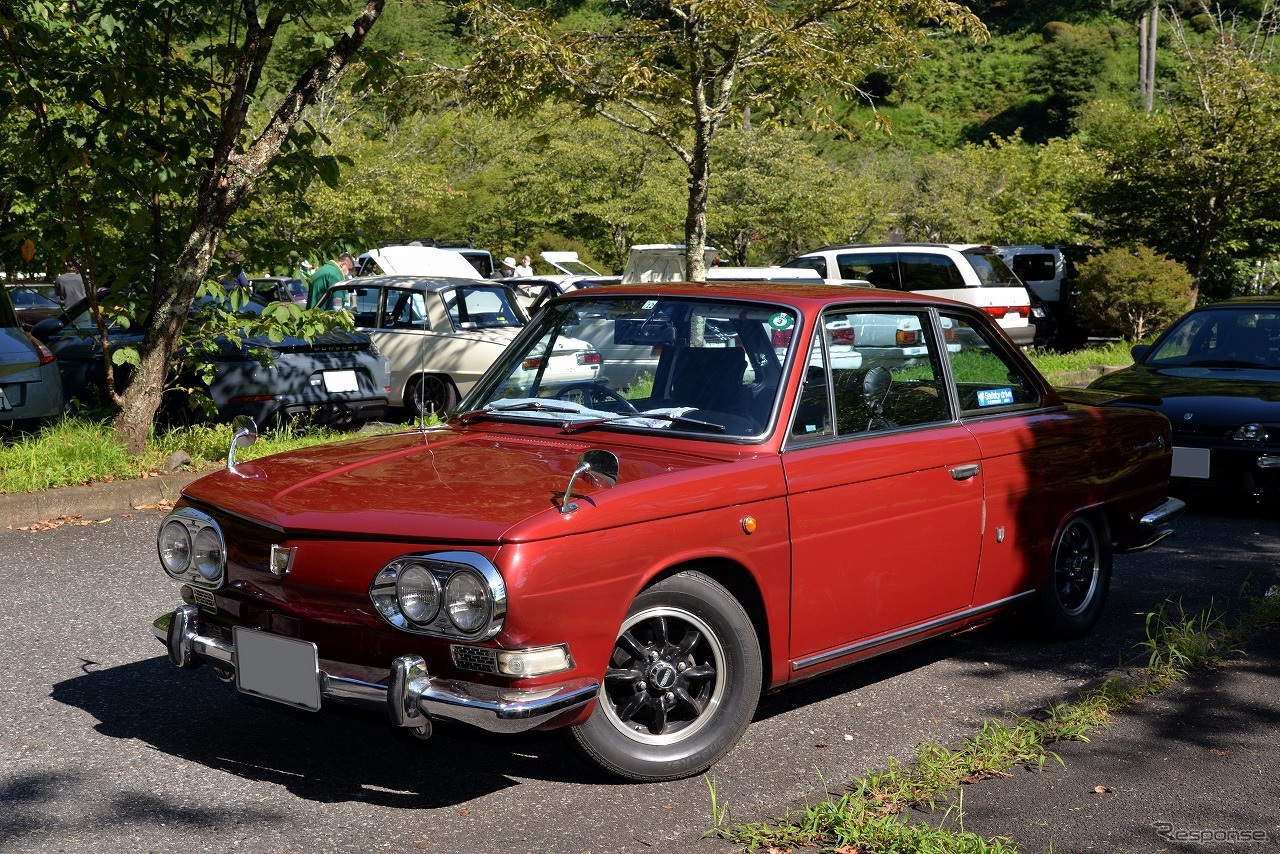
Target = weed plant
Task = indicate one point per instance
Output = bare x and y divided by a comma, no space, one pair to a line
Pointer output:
868,817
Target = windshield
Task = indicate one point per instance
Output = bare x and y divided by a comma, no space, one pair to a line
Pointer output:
482,307
710,368
1222,338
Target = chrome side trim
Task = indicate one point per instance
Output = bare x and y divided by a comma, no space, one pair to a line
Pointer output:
411,697
902,634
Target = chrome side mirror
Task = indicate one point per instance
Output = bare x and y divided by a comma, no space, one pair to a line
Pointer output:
600,466
244,432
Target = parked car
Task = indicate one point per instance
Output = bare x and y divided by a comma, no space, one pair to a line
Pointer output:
339,378
970,273
280,289
640,566
440,335
30,387
1215,374
33,303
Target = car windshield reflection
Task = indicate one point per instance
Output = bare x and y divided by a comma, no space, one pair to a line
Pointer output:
706,368
1241,338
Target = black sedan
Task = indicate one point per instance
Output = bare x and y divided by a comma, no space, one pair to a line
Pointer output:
340,378
1215,374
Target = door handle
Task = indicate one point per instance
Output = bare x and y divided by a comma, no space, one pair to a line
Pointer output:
965,472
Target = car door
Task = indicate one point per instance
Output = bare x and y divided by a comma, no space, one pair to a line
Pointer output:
885,492
1031,455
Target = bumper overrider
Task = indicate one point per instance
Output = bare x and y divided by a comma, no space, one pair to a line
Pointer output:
411,697
1156,524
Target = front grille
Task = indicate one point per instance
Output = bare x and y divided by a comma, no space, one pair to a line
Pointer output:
479,659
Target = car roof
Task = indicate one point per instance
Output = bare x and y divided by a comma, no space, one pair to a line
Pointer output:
427,283
957,247
802,295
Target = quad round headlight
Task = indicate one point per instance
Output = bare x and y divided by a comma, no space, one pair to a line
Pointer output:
174,545
192,549
453,594
418,593
466,602
207,556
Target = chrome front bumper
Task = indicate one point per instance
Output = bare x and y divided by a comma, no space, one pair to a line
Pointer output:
411,697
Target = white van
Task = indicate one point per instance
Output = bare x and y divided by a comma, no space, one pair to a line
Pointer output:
965,272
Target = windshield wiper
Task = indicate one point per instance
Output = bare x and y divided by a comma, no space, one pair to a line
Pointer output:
682,420
529,406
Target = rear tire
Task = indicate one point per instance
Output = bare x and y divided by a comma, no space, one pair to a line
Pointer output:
681,686
1074,590
431,394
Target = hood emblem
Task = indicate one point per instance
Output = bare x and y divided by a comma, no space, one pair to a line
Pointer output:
1186,416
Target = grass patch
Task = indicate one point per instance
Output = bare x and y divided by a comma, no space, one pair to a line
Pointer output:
868,817
1110,353
81,450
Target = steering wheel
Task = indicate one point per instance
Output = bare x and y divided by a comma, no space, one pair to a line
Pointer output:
595,394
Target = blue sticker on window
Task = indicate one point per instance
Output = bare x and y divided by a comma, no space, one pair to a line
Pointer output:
995,396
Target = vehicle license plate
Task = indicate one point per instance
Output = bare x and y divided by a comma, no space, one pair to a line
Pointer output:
340,381
280,669
1190,462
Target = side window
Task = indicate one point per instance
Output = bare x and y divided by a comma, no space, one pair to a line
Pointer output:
877,370
816,262
987,380
1035,267
927,272
405,309
878,268
366,307
813,413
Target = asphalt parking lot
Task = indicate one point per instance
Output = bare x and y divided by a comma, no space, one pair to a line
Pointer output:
105,746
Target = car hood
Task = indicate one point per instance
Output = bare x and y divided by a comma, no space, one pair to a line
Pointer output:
1226,396
17,356
463,485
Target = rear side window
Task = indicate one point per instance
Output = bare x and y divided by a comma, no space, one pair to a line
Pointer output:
1035,267
987,381
991,269
878,268
929,272
8,318
815,262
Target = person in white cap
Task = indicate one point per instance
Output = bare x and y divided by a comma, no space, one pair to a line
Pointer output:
508,268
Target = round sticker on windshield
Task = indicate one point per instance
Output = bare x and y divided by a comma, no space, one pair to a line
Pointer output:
782,320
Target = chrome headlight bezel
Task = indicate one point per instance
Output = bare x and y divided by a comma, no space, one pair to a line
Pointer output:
201,562
1251,432
469,569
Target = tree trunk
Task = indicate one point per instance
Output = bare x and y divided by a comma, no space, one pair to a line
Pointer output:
1151,57
230,178
1142,55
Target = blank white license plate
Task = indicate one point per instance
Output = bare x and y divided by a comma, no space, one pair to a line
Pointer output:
1190,462
280,669
340,381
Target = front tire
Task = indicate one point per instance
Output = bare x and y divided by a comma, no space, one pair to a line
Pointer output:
1074,590
681,686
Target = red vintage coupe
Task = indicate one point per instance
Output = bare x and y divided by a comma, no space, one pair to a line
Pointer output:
764,482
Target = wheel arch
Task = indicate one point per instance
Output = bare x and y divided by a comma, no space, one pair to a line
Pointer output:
742,586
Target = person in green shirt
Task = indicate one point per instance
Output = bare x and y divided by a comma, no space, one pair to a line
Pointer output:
330,273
